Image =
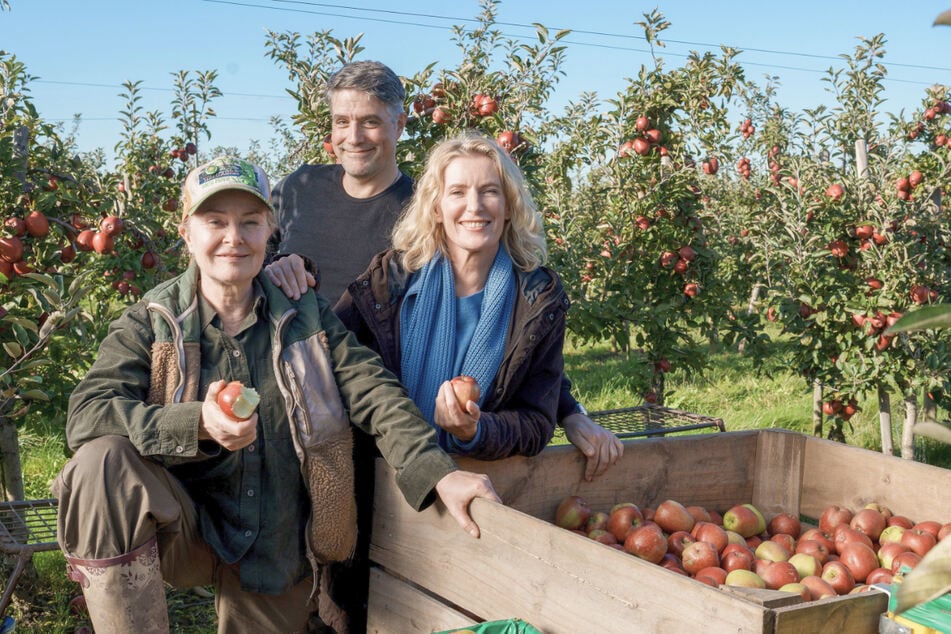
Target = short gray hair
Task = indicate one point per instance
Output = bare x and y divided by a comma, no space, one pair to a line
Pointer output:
374,78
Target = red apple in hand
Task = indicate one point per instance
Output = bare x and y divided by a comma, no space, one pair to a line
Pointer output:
237,401
466,389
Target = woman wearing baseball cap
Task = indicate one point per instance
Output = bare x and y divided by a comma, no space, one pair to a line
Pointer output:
164,486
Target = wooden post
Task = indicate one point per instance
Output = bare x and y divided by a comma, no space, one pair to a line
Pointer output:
817,409
861,158
885,420
12,472
908,428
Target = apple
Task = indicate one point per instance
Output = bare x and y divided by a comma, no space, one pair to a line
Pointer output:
102,242
887,553
819,588
699,555
779,573
598,520
11,249
646,542
699,513
772,551
806,564
860,559
672,562
868,521
786,541
623,518
838,575
508,140
743,520
847,535
678,541
880,575
786,523
466,389
642,123
572,513
918,540
754,541
818,535
711,533
237,401
691,289
909,558
834,515
744,579
929,525
944,531
891,534
797,588
737,559
714,573
835,191
899,520
603,536
441,115
111,225
36,224
673,516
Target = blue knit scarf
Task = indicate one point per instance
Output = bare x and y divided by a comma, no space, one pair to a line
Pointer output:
428,330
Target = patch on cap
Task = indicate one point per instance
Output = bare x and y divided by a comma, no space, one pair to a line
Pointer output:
220,174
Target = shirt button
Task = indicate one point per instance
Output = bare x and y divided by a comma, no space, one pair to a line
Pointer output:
250,493
247,533
250,447
236,353
366,282
377,306
179,449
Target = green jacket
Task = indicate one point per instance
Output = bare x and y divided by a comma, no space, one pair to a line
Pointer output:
149,378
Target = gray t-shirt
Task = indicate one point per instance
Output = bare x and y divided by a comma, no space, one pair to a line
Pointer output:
316,218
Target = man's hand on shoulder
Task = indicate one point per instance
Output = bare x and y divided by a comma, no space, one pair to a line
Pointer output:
291,275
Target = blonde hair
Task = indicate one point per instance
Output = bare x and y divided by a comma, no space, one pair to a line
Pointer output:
418,236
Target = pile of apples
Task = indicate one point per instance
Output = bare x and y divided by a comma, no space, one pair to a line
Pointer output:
846,553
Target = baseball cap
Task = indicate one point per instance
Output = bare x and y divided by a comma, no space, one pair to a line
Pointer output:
224,172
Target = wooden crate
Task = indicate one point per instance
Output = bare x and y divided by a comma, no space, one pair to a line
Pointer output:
430,576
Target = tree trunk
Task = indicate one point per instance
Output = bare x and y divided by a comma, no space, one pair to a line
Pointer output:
12,472
885,420
908,429
754,297
817,409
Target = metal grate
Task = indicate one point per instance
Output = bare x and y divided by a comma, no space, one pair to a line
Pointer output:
651,420
26,527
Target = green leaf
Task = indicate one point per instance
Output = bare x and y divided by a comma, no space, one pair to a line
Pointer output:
13,349
930,579
937,316
35,395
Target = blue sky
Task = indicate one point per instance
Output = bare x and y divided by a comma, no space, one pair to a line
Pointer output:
81,52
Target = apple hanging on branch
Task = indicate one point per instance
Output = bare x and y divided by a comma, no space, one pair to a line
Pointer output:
237,401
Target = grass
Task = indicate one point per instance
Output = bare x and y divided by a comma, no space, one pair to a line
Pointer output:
734,389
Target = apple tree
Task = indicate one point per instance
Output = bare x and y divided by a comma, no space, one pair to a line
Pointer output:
624,196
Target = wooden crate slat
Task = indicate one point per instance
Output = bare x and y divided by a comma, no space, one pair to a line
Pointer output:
396,607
